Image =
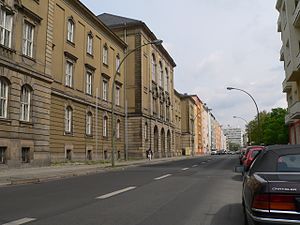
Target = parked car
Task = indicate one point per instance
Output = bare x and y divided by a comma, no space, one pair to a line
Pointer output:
242,153
213,152
250,155
271,187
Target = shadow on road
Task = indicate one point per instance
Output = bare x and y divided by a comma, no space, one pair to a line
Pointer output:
229,215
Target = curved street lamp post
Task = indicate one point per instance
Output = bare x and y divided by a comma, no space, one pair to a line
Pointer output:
258,121
155,42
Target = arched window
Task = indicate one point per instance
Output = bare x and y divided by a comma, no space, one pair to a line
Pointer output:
89,123
105,54
161,75
105,126
25,103
153,62
68,119
118,128
3,98
70,30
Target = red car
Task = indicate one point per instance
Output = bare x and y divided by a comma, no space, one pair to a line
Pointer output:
250,155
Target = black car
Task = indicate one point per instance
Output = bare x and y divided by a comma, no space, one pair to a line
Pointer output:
271,187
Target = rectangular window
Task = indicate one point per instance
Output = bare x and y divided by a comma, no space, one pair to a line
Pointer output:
118,129
104,89
2,155
90,44
105,55
25,103
68,120
105,126
89,124
25,155
118,64
69,73
70,34
117,100
89,82
3,98
5,28
28,32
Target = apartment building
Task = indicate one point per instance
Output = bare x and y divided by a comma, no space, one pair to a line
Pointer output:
25,81
84,57
149,89
289,28
233,135
198,112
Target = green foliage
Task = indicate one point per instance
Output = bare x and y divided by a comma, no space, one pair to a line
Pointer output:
272,128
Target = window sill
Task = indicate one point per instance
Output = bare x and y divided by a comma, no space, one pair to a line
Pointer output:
29,58
105,65
8,48
89,136
90,55
71,43
68,133
5,121
26,123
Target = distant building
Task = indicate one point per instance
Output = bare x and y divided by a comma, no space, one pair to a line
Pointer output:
289,27
233,135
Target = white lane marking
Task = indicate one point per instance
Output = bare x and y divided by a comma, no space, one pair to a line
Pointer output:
194,166
20,221
203,162
115,193
185,169
162,177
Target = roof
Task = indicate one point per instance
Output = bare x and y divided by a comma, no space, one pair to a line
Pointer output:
117,22
113,20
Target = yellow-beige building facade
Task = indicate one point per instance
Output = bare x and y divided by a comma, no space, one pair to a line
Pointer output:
84,57
289,28
149,89
187,124
25,81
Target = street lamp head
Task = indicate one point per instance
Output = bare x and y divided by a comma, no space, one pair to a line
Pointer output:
230,88
234,117
156,42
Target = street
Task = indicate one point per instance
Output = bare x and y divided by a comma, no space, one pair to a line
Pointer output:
195,191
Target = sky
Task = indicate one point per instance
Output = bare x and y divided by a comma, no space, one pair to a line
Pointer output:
216,44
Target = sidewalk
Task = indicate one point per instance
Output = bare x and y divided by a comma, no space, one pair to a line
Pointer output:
43,174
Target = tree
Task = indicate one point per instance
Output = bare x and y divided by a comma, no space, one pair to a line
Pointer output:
272,127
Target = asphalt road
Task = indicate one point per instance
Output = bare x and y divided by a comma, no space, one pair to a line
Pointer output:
198,191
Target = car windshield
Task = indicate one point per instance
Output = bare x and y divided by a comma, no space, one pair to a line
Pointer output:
289,163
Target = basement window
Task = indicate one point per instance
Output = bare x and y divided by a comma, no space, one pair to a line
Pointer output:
2,155
25,155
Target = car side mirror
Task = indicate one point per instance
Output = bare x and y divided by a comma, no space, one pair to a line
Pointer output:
239,169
